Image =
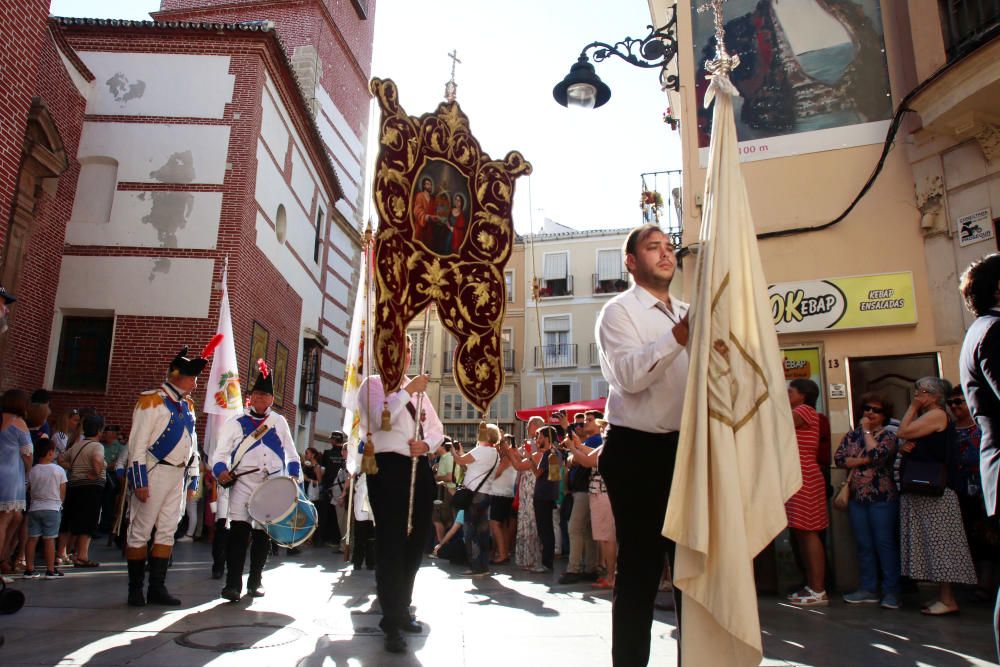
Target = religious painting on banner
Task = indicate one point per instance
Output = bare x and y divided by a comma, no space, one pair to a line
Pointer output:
444,236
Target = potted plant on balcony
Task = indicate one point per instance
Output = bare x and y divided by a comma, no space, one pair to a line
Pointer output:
651,204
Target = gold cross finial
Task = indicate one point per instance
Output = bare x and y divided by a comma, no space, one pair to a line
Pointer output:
723,62
451,88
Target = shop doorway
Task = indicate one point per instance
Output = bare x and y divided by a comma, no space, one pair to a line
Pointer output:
892,375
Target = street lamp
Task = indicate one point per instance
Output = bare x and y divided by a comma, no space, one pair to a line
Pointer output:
582,87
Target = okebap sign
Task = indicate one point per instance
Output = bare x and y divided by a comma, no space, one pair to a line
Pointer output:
854,302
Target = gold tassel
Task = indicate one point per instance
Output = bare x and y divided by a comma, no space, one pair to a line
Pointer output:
386,418
554,464
482,435
368,464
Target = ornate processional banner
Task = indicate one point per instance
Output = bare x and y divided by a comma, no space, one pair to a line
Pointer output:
444,237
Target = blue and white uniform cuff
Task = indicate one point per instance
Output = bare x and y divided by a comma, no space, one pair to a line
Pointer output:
137,475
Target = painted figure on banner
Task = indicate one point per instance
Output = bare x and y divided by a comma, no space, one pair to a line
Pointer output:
439,219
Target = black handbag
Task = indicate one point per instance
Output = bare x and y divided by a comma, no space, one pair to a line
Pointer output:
463,495
923,478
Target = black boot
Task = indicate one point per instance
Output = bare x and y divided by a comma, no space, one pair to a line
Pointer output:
136,577
219,549
236,556
260,545
157,593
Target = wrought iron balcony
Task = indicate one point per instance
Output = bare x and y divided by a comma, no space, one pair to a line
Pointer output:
556,287
556,356
595,356
968,23
613,285
508,360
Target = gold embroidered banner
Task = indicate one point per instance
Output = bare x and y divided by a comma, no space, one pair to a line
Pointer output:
444,237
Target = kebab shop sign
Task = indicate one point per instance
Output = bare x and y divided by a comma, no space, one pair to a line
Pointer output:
854,302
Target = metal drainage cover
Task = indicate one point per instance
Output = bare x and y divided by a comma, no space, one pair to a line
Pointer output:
225,638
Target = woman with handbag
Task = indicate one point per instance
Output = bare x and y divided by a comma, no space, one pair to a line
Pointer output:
868,452
933,546
481,462
85,488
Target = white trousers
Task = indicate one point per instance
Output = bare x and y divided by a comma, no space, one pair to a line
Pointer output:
162,510
239,496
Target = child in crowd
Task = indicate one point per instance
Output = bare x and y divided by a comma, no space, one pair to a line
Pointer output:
47,481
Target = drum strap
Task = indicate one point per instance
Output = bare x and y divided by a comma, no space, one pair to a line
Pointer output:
247,443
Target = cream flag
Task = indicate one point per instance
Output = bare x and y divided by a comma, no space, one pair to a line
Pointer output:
737,459
223,399
354,370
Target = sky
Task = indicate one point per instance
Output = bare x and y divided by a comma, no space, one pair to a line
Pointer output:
587,163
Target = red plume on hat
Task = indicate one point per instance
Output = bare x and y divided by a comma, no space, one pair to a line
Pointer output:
212,344
262,366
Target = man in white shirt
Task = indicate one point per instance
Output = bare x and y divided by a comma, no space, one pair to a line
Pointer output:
399,554
641,335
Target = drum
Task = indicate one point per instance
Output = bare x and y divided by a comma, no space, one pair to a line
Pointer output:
283,510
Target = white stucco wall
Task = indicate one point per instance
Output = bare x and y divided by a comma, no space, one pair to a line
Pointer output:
159,84
145,286
159,152
149,219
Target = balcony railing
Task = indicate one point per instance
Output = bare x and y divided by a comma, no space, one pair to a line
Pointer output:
555,356
508,360
605,285
448,361
595,356
556,287
968,23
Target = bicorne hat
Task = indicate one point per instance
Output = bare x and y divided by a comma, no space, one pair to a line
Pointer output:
186,365
264,382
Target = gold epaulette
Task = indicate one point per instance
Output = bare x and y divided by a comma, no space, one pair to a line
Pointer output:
190,402
149,399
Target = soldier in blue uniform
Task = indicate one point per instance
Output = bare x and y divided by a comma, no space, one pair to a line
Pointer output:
251,448
162,461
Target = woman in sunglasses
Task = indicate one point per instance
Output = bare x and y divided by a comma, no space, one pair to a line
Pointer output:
932,540
868,453
983,532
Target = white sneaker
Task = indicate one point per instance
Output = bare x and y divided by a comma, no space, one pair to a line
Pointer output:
186,538
540,569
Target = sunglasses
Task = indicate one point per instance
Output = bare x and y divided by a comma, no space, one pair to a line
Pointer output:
955,401
875,409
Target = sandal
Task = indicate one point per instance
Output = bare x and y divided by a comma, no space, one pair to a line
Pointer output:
807,597
85,563
938,608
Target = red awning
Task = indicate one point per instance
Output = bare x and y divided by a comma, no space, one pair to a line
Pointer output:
570,408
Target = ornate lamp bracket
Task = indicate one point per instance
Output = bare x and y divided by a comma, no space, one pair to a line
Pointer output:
654,50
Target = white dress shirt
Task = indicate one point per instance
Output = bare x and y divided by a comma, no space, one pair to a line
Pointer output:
646,368
370,398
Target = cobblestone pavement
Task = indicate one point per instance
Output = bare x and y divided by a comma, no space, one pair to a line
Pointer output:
319,612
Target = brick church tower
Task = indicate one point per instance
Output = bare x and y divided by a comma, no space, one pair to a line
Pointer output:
221,131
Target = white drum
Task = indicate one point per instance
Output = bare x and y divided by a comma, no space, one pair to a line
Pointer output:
273,500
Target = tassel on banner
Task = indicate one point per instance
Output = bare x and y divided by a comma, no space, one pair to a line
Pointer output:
368,464
386,418
482,435
554,465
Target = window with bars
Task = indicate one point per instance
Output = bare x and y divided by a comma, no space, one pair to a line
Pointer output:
508,282
309,387
418,350
610,277
556,280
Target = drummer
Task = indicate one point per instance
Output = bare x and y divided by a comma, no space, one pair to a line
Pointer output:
250,449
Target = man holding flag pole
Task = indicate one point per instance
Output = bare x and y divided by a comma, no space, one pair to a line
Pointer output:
737,458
